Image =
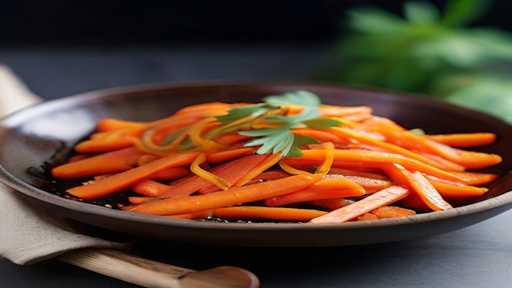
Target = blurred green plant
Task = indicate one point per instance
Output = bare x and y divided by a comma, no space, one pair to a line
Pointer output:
431,53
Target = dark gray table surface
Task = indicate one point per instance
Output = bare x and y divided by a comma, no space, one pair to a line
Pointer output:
478,256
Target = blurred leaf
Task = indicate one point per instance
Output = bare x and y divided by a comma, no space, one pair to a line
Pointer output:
484,92
461,12
427,55
367,20
421,12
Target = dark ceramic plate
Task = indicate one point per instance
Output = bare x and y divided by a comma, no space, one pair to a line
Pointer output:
30,137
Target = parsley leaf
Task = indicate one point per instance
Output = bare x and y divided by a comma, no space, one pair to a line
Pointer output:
280,139
242,112
322,123
300,140
417,131
301,98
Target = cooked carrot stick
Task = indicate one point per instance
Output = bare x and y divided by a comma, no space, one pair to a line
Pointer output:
77,158
269,161
109,141
475,178
112,162
118,182
146,159
230,197
266,213
327,188
212,106
449,165
419,184
271,175
231,172
457,191
139,200
382,198
465,158
348,172
204,174
223,156
331,204
110,124
465,139
330,110
149,188
170,174
371,159
367,217
428,192
191,216
352,134
357,117
370,185
392,212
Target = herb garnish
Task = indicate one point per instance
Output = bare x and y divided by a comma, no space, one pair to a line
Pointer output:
280,138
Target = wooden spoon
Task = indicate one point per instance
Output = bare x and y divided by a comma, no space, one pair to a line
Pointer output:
147,273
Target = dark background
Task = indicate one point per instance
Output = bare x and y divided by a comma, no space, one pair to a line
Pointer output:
183,22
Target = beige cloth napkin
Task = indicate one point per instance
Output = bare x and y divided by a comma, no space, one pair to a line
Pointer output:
27,236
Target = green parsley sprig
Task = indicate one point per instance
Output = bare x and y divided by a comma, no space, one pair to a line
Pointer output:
280,139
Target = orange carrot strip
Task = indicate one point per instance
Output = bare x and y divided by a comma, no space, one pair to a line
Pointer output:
77,158
331,110
464,140
118,182
190,216
268,162
351,134
135,200
428,192
357,117
367,217
409,140
457,191
348,172
371,158
112,162
392,212
150,188
449,165
207,175
108,141
145,159
219,106
230,197
370,185
419,184
271,175
331,204
320,135
170,174
382,198
326,165
110,124
475,178
326,188
227,155
267,213
231,172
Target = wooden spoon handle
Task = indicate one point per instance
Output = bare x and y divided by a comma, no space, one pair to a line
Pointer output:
147,273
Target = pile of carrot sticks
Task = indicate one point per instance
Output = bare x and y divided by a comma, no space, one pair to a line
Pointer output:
364,168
